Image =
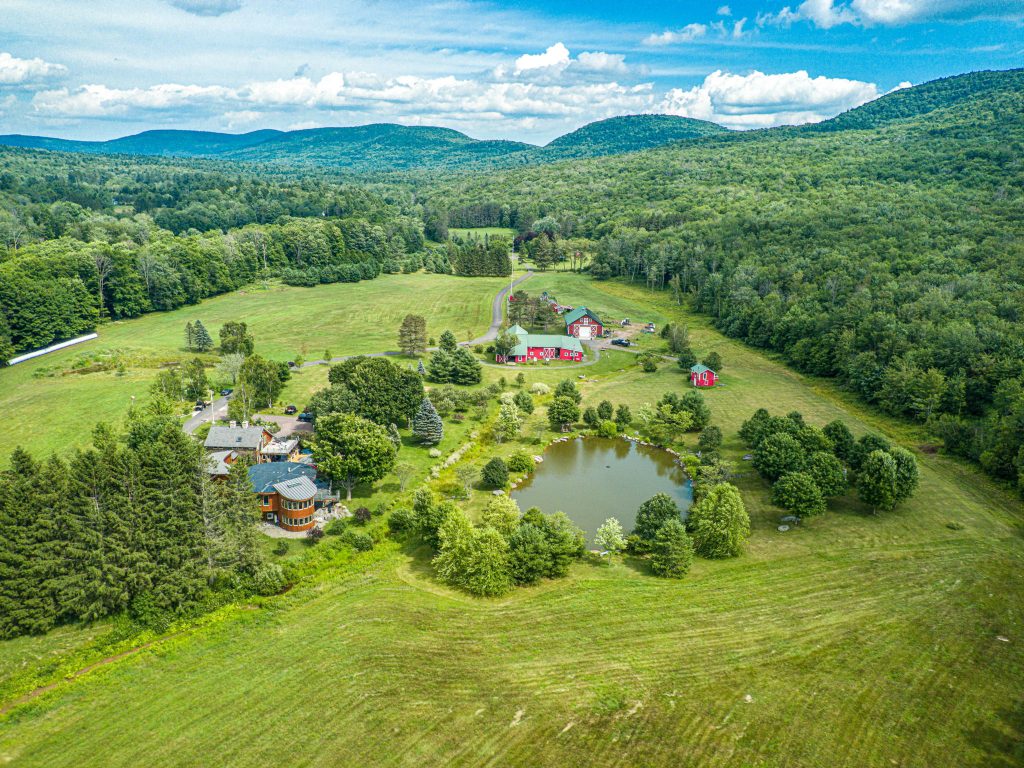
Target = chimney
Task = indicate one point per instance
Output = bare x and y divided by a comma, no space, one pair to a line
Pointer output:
233,424
245,425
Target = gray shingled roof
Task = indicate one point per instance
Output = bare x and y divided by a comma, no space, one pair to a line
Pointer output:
244,438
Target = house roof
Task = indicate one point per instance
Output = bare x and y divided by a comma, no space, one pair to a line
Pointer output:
246,438
292,480
698,368
530,340
576,314
218,464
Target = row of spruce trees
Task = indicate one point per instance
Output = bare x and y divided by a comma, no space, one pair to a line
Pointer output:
132,523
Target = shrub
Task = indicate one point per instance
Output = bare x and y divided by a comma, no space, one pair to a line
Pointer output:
362,515
269,578
281,548
401,522
453,490
540,388
508,398
520,462
495,474
360,541
336,527
607,429
314,534
434,453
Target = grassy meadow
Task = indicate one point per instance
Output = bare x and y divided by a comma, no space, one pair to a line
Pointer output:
57,399
853,640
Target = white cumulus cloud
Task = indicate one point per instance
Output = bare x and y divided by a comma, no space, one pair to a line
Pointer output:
687,34
15,71
759,100
826,14
556,57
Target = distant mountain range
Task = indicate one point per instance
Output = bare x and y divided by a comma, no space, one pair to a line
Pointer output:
388,146
384,147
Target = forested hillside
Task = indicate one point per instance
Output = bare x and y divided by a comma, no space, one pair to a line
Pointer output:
890,258
387,147
88,238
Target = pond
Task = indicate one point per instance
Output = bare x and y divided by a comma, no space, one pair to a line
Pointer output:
592,479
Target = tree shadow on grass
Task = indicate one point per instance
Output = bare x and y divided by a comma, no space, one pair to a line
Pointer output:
1001,742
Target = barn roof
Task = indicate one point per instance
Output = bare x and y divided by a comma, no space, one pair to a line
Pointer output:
518,330
534,340
576,314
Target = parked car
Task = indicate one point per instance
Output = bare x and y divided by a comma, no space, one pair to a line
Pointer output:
291,363
290,409
621,342
226,392
305,416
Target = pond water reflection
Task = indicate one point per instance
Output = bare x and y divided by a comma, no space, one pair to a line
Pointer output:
592,479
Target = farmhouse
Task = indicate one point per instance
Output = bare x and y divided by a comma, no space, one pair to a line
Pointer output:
702,376
289,494
582,323
533,346
256,442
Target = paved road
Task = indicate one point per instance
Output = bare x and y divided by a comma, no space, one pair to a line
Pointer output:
218,410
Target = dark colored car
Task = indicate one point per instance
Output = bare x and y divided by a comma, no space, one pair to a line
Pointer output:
291,363
226,392
290,409
620,342
305,416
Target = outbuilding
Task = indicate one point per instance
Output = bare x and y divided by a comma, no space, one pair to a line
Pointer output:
582,323
702,376
535,346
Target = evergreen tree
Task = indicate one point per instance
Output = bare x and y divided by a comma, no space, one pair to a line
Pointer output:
201,339
420,369
440,367
190,337
590,417
524,401
447,342
529,554
605,411
412,335
623,417
466,369
426,424
672,551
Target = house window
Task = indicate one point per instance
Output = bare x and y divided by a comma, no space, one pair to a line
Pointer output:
298,505
269,515
266,501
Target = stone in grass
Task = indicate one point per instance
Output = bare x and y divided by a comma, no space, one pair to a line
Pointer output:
783,528
498,492
790,519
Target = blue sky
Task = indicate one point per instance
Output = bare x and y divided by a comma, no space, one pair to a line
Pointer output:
528,70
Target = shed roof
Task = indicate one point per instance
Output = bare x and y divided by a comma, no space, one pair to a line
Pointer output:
576,314
699,368
246,438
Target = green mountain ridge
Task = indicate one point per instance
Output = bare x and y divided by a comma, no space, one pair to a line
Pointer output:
388,146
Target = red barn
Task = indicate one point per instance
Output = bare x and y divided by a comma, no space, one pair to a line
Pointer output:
533,346
581,323
702,376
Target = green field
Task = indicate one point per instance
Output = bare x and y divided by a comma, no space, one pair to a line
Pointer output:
481,231
854,640
58,411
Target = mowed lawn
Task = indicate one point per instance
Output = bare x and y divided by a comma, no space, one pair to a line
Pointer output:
54,413
854,640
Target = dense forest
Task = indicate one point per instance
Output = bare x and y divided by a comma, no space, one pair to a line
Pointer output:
133,523
89,238
884,248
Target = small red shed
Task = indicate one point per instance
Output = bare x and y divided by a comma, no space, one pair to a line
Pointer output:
702,376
